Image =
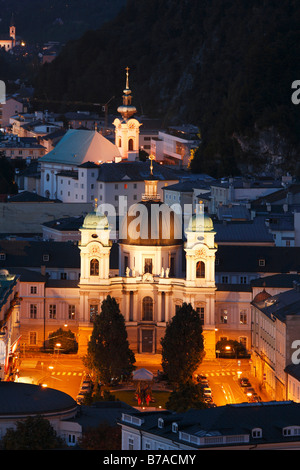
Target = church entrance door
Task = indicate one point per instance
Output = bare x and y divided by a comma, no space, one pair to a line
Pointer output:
147,341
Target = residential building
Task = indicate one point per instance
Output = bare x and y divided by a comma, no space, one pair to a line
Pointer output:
275,337
173,146
8,109
21,148
244,426
9,322
240,190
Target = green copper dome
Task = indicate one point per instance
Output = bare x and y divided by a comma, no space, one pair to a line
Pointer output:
95,220
200,223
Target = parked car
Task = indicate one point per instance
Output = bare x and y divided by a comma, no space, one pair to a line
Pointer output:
244,382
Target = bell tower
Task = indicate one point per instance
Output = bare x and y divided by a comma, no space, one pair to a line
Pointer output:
12,30
127,129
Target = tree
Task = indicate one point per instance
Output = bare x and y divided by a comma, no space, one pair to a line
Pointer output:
35,433
109,355
66,339
104,437
182,345
188,395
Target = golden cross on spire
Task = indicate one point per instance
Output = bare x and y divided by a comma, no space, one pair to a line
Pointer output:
127,79
151,158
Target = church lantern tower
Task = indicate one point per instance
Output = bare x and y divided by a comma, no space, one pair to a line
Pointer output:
127,129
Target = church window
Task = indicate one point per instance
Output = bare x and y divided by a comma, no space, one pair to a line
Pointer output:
120,143
200,269
163,307
147,309
131,305
47,177
94,267
93,312
200,311
130,144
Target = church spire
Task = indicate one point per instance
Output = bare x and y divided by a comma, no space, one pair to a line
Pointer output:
127,110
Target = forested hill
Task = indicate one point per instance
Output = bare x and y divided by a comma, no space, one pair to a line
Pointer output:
38,21
226,66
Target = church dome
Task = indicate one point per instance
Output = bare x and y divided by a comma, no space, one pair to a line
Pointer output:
261,296
95,220
151,223
200,223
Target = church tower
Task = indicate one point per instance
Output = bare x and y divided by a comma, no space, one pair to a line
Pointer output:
127,129
12,30
200,249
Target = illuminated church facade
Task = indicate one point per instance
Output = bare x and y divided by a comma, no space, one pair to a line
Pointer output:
162,259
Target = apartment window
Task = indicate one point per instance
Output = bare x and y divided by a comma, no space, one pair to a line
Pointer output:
243,317
134,185
33,311
71,312
71,439
33,290
92,186
45,257
257,432
63,275
243,279
224,316
224,279
116,186
52,311
261,262
2,256
130,444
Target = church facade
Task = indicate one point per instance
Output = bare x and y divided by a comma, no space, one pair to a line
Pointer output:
151,284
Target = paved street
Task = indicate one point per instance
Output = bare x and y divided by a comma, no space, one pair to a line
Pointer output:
65,372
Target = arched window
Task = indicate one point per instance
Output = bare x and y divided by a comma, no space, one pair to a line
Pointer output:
120,143
94,267
147,309
130,144
200,269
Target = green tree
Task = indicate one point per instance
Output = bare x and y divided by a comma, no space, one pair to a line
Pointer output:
188,395
35,433
108,353
182,345
66,339
104,437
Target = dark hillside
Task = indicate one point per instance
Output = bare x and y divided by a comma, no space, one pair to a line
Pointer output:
225,66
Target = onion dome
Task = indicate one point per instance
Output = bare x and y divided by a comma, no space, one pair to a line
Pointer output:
200,222
95,220
261,296
127,110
